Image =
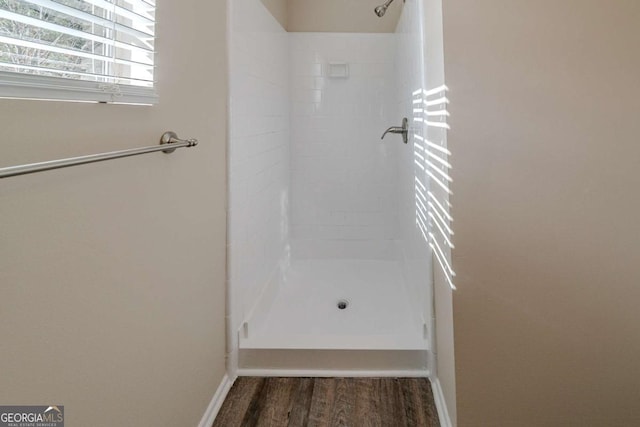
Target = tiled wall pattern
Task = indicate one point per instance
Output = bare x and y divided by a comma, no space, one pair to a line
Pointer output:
415,253
258,155
343,177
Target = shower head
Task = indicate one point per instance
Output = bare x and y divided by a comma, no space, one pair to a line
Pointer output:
382,9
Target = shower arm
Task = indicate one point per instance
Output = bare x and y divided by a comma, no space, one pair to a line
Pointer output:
401,130
382,9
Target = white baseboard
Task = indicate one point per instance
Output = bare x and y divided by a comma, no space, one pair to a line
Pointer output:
441,403
216,403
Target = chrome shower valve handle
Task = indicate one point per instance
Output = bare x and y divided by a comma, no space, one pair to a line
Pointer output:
404,130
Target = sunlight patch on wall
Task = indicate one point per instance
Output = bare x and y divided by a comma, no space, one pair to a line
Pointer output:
432,175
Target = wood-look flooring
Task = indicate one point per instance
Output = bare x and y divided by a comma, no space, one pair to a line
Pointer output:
354,402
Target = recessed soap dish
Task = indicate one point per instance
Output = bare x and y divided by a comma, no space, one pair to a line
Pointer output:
338,70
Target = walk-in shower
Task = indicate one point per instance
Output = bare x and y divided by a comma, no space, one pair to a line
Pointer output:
327,262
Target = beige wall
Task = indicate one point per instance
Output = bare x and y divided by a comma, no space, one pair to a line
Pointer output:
279,10
112,298
544,102
350,16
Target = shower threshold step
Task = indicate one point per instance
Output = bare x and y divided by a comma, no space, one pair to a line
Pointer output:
334,363
315,341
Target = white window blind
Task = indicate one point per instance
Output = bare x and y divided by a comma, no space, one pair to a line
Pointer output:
85,50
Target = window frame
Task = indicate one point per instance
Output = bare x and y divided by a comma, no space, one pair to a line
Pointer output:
20,85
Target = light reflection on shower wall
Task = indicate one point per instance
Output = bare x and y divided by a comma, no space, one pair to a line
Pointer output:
430,109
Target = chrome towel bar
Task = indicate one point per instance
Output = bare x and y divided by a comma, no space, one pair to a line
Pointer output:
169,142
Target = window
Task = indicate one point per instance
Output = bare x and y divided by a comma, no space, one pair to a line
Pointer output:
83,50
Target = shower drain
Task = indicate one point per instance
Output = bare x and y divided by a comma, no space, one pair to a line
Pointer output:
342,304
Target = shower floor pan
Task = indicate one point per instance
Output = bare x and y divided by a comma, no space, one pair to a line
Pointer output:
337,305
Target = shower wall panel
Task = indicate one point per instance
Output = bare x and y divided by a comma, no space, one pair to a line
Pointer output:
413,182
258,156
343,177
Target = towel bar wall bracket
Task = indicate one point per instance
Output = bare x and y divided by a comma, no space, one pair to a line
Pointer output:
168,138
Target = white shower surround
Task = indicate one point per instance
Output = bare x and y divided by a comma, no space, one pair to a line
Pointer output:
258,160
309,177
414,251
343,177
